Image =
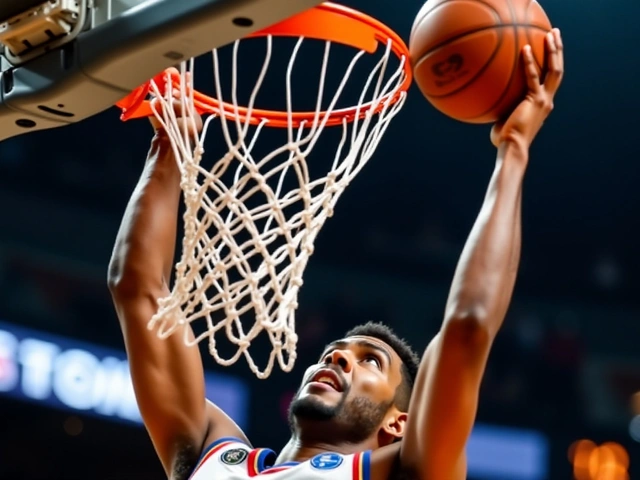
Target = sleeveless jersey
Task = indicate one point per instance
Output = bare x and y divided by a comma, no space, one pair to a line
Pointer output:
232,459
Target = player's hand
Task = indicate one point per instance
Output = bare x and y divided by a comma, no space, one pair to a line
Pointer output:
194,121
525,121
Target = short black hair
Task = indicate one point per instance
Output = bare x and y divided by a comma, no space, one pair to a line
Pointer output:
409,358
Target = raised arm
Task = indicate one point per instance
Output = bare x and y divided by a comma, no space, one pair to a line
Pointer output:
445,397
167,376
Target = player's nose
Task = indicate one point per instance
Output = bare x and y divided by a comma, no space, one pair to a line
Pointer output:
341,358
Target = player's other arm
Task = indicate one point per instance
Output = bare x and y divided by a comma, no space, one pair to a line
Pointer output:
445,397
167,376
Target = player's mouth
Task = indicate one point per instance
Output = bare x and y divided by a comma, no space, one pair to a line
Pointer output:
326,378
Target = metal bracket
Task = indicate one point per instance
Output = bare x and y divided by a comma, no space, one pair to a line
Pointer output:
123,47
42,28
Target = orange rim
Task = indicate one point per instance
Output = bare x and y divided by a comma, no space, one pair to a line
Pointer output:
327,21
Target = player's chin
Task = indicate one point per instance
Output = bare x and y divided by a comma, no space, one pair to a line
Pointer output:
314,407
321,396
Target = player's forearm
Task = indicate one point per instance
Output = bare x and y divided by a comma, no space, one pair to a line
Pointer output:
487,269
145,245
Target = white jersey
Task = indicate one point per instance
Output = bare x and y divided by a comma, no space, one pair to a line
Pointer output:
231,459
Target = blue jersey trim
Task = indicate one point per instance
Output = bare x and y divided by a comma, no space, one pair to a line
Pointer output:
285,464
366,465
279,465
262,457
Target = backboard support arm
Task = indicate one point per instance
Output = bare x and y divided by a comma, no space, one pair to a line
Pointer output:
113,56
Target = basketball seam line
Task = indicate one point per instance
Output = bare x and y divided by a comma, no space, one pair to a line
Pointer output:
515,67
528,11
477,30
516,64
499,27
496,17
445,2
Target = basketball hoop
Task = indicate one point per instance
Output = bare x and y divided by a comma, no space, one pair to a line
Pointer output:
248,239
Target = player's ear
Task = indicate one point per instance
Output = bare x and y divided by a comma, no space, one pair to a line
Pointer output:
393,426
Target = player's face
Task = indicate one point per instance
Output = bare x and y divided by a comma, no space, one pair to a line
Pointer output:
353,385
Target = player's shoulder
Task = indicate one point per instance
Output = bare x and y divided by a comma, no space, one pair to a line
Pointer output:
232,450
385,464
220,455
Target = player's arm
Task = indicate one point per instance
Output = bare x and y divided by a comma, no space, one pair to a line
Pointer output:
445,396
167,376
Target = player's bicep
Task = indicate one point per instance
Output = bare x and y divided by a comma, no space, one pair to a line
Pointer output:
168,381
444,403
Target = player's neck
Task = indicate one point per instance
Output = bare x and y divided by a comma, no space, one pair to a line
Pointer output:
299,449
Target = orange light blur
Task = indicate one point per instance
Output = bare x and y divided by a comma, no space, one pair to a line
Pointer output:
609,461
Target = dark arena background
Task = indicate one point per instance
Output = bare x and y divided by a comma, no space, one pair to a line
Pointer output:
561,395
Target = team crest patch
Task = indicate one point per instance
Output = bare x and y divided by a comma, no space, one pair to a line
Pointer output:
326,461
235,456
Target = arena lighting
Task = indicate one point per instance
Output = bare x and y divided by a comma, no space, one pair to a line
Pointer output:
609,461
506,453
83,378
634,428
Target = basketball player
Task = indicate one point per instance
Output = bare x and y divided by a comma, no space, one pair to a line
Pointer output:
365,409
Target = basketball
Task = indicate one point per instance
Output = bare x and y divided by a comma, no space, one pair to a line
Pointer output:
466,54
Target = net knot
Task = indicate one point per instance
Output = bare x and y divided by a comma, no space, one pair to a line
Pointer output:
198,150
307,218
308,248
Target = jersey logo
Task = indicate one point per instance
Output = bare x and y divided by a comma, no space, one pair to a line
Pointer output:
235,456
326,461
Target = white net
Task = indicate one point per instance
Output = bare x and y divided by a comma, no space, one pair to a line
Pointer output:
251,219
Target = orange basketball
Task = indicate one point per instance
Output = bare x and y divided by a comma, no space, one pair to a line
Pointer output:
466,54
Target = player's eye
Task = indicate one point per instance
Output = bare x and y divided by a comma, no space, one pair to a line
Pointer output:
323,357
373,360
